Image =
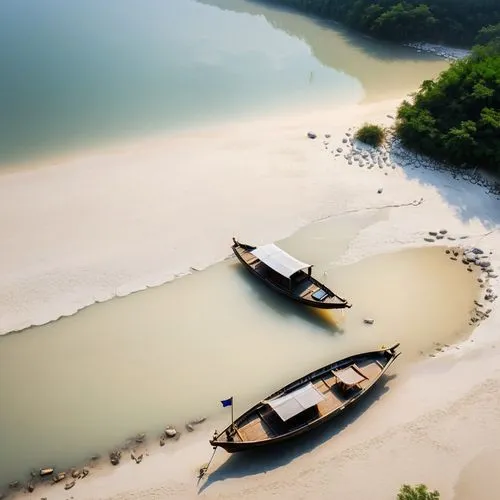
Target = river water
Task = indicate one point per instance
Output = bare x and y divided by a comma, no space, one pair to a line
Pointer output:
76,75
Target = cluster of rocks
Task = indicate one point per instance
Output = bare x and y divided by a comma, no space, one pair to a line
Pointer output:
49,475
392,154
135,445
449,53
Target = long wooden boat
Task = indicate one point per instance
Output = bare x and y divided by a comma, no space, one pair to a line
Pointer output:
287,275
307,402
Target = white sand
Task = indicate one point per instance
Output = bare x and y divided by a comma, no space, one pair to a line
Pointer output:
162,206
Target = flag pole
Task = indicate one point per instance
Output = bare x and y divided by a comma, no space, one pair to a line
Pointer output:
232,413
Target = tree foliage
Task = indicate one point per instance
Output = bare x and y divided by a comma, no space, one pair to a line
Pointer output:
441,21
456,118
371,134
419,492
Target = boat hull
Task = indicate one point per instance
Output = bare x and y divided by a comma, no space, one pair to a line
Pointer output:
236,446
342,304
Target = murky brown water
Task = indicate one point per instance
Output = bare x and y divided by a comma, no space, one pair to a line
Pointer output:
169,354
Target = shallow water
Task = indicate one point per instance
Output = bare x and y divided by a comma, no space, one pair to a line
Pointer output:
76,75
169,354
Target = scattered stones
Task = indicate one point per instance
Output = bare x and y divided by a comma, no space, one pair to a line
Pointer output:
311,135
46,472
429,240
189,428
31,486
115,456
453,258
477,251
339,150
369,321
451,238
140,437
69,485
443,231
344,140
59,477
380,190
447,251
170,432
432,233
439,237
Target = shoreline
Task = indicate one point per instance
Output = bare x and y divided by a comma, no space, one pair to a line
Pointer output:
378,238
150,166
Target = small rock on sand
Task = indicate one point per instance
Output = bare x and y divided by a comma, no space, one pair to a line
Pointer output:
369,321
432,233
311,135
69,485
429,240
443,231
380,190
170,432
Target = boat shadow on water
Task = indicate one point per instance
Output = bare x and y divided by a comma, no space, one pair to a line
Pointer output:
267,458
323,319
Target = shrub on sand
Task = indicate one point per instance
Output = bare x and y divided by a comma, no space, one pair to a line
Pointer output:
370,134
418,492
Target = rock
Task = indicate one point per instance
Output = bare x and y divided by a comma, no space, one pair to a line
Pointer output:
484,263
189,427
451,238
115,456
348,134
344,140
162,442
369,321
140,437
453,258
439,237
76,473
327,136
170,432
198,421
477,251
69,485
447,252
31,486
465,261
59,477
47,471
339,150
429,240
13,484
138,459
380,190
443,231
311,135
432,233
478,304
85,473
390,116
469,269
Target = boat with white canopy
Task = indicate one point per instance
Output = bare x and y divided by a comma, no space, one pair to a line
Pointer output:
307,402
287,275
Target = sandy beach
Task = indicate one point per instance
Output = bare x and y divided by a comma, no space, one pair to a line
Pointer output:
433,421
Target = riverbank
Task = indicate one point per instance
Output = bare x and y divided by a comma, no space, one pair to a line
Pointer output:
428,405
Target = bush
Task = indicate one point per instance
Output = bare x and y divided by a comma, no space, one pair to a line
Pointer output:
419,492
371,134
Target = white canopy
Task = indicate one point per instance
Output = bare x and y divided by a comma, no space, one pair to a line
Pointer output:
279,260
296,402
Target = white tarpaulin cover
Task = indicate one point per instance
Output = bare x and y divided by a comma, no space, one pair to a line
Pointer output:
280,261
296,402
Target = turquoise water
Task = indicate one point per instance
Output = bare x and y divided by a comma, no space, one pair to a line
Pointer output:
76,74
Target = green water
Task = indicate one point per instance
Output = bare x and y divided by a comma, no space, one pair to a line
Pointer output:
76,74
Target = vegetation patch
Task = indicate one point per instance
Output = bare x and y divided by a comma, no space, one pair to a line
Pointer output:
371,134
419,492
456,118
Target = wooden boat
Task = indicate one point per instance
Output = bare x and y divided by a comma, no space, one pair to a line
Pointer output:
307,402
287,275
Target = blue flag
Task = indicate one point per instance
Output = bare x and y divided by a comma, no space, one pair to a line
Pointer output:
227,402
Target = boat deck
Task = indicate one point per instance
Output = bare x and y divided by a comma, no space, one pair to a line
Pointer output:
264,423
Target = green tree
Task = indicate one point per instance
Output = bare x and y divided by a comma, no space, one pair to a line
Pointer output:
419,492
